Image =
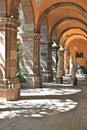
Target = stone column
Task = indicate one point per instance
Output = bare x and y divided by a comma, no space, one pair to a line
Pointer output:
60,65
66,61
36,61
49,63
30,59
26,58
74,78
71,65
10,80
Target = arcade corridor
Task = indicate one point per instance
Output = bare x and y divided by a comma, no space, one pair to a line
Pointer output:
43,64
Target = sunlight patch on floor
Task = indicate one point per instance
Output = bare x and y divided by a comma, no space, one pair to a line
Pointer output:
35,108
49,91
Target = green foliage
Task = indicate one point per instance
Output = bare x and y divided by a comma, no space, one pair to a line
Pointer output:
18,55
21,76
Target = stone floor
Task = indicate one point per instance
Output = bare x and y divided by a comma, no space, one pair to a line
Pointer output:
54,107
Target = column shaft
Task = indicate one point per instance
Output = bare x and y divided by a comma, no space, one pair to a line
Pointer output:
66,61
30,59
49,62
36,62
60,66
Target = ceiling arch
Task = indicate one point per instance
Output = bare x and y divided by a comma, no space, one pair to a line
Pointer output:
53,3
78,46
66,33
74,37
58,4
74,31
68,24
67,12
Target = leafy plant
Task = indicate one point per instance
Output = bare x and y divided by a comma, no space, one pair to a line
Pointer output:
20,74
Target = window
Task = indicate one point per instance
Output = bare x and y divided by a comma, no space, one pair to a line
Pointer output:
79,55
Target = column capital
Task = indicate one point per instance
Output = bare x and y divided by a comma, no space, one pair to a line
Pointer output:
33,36
37,37
6,23
50,42
13,22
61,49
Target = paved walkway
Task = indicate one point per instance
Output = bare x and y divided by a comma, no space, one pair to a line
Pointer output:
51,108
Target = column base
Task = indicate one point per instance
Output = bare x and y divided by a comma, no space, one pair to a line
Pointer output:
37,81
12,94
47,77
67,71
59,80
74,81
50,77
10,89
34,81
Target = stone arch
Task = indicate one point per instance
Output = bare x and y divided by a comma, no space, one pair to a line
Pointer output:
56,6
74,37
12,8
44,29
72,23
69,31
76,46
28,12
55,2
67,12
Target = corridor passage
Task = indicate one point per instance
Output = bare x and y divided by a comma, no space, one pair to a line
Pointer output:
53,107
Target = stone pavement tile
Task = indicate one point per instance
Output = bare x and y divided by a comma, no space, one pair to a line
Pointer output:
32,123
54,119
81,128
83,125
83,121
55,126
33,128
5,124
7,128
15,128
66,121
64,128
84,107
45,127
74,122
76,118
84,113
84,104
26,122
74,127
83,117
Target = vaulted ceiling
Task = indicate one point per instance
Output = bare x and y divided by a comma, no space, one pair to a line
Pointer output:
57,18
